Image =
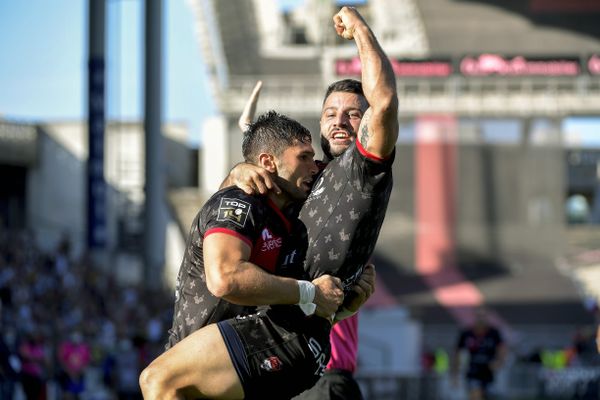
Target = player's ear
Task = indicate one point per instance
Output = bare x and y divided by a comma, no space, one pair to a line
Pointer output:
267,161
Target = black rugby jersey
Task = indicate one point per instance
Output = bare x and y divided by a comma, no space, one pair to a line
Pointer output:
482,350
344,213
278,244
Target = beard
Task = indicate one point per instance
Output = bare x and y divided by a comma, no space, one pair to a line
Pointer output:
330,153
289,188
292,191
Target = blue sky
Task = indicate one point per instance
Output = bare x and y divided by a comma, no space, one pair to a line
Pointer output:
40,72
44,57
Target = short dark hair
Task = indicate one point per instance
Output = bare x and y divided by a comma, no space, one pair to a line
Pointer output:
272,133
345,85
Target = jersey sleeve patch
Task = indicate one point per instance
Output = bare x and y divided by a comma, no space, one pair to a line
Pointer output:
233,210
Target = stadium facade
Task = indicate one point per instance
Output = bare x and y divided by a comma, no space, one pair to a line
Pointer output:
497,173
43,169
487,158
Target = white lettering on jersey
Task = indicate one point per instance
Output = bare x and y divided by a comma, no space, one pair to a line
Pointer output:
320,357
349,282
289,258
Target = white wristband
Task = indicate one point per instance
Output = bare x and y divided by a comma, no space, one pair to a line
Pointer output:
307,295
307,292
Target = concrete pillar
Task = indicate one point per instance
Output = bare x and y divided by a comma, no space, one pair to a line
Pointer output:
154,232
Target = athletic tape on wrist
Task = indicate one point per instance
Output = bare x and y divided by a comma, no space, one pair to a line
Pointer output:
307,295
308,308
307,292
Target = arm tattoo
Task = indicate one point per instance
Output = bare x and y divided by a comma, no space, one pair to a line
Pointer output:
364,131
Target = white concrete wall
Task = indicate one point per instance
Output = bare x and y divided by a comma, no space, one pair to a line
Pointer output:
55,187
56,184
215,160
124,159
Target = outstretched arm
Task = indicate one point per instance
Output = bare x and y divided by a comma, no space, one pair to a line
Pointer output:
250,178
378,130
250,109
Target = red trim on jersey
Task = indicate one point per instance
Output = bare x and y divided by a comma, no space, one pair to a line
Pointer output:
365,153
287,223
229,232
321,165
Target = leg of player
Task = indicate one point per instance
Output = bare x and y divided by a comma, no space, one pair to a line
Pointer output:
197,367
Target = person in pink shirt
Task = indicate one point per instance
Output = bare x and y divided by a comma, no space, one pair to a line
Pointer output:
32,352
344,340
74,356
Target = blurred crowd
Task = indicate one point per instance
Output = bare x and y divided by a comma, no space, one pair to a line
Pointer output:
69,330
567,371
580,352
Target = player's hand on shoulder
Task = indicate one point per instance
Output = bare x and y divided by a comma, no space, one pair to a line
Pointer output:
253,179
329,295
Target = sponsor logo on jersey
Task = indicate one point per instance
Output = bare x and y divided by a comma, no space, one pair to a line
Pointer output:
271,364
233,210
290,258
266,235
270,242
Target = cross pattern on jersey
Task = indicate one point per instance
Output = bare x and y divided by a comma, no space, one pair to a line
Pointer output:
278,243
344,214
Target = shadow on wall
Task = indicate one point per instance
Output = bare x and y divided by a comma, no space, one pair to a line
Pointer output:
522,290
583,14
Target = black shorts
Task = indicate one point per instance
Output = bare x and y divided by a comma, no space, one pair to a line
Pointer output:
274,359
336,384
